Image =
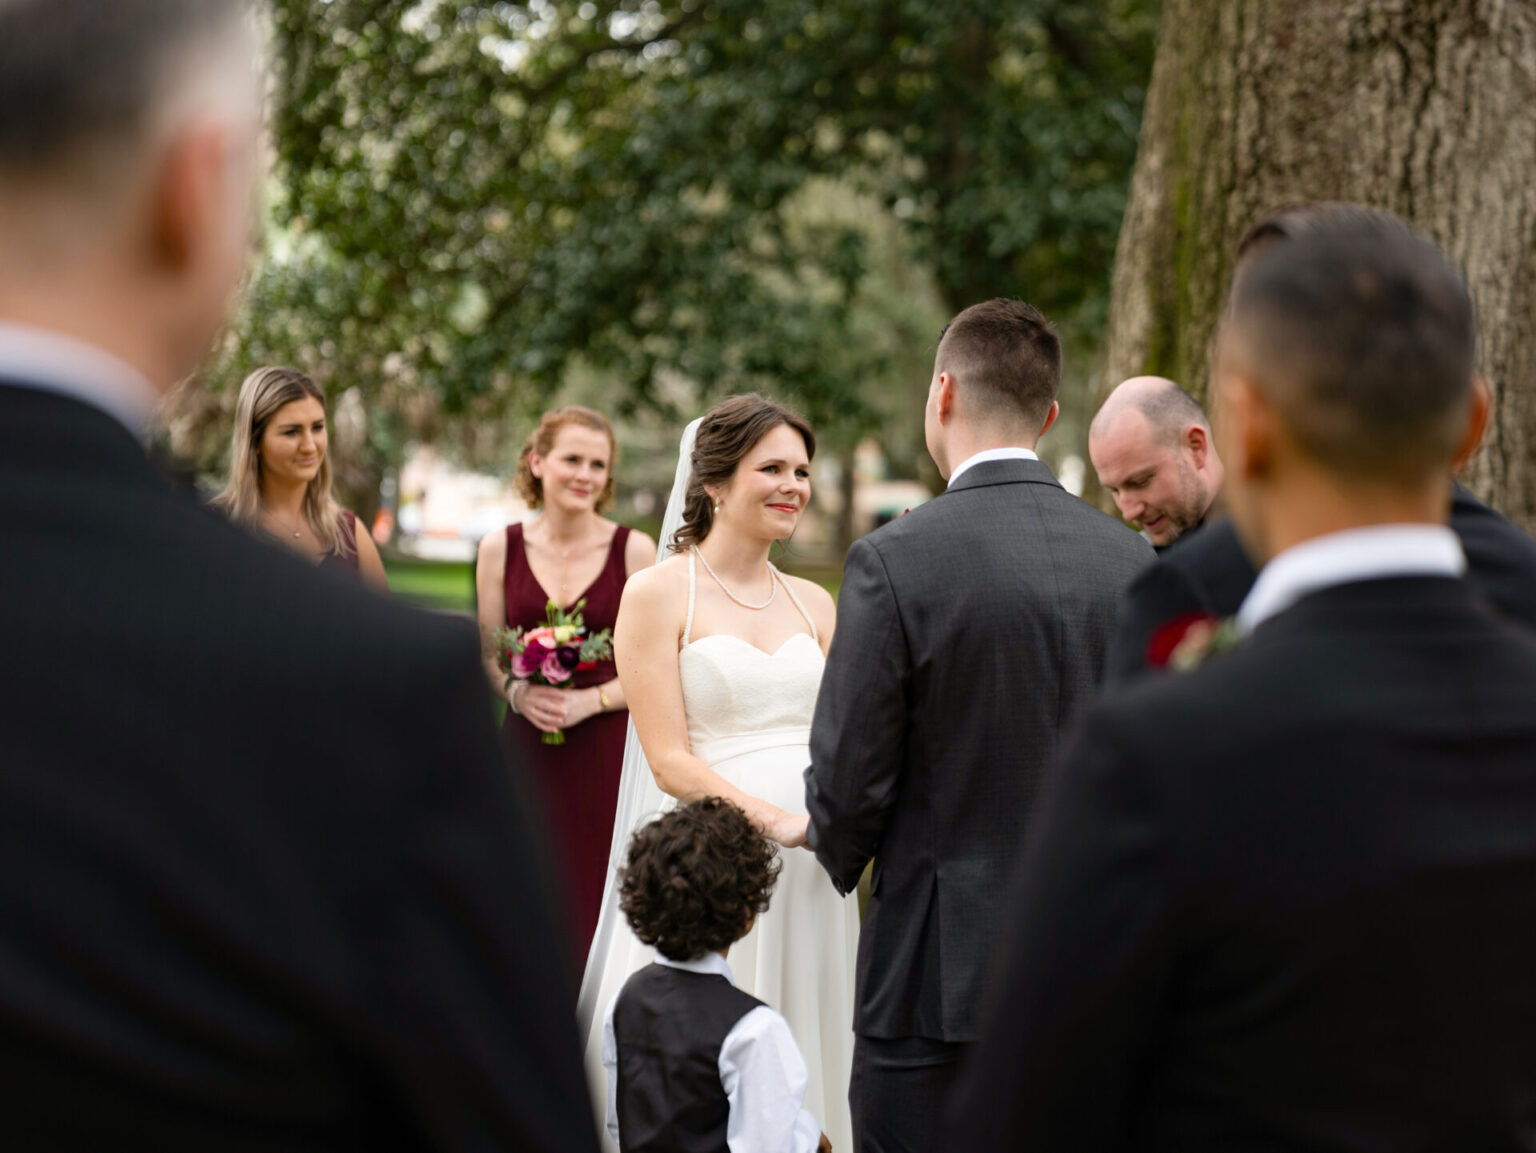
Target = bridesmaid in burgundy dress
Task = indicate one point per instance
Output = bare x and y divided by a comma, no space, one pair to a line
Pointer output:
569,553
280,476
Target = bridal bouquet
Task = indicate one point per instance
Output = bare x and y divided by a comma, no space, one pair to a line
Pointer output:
551,653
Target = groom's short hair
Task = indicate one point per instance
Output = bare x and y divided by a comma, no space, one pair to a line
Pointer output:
80,78
1005,359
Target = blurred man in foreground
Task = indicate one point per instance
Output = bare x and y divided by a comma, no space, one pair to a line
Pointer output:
1288,900
263,876
1151,446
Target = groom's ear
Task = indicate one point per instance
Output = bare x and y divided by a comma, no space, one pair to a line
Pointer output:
944,400
1050,419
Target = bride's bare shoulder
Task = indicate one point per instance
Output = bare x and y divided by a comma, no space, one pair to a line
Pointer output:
817,601
813,595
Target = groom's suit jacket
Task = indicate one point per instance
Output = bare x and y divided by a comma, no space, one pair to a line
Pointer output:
264,874
1286,901
968,633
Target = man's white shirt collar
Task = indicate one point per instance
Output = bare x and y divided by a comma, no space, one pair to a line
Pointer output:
51,362
991,454
708,963
1359,554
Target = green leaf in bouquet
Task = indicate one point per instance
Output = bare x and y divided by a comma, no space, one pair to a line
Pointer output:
598,646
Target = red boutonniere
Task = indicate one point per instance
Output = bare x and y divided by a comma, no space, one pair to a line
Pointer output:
1188,641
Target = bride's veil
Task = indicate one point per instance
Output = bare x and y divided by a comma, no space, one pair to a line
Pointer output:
640,798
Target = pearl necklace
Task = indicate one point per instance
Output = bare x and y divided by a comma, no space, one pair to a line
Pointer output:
755,608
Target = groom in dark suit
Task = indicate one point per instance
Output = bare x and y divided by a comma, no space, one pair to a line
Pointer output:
264,878
1288,900
968,632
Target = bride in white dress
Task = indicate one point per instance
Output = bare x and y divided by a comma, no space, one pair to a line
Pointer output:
721,657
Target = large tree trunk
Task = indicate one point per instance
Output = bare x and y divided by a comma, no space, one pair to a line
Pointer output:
1423,107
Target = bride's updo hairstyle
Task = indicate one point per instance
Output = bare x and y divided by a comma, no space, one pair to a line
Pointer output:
727,433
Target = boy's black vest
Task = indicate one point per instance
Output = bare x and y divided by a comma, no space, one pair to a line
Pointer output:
668,1026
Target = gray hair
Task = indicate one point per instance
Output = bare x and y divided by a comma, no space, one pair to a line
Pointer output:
1168,409
79,75
1171,410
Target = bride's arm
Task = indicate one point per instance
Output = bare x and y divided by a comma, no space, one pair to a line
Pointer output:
645,640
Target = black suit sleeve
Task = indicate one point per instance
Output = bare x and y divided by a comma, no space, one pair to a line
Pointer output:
1161,593
861,722
1084,966
1501,558
468,989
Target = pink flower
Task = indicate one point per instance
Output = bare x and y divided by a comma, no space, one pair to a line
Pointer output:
544,638
527,662
554,671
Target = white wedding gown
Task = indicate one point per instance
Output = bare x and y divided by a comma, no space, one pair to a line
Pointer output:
749,718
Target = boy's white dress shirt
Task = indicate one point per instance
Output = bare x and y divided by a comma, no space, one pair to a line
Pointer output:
761,1071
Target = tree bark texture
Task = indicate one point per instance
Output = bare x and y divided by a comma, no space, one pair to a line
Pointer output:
1423,107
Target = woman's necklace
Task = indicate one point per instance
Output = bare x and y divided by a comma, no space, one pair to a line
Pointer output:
755,608
271,516
565,569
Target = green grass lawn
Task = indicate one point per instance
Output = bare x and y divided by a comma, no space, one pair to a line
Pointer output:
433,584
450,585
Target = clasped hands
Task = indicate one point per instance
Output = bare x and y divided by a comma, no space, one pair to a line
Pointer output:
788,829
550,710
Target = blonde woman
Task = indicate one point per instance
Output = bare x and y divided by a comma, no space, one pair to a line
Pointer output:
569,553
280,476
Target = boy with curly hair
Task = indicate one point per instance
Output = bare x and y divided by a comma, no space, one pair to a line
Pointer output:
694,1064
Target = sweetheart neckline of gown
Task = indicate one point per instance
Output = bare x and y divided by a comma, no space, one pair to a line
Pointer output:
755,648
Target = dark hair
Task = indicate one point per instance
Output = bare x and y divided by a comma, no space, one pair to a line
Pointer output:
1362,334
1006,361
1295,220
696,878
542,439
725,436
79,73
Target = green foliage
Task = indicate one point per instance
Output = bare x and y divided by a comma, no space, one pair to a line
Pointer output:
477,199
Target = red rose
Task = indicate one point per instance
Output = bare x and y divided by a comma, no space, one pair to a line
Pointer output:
1169,636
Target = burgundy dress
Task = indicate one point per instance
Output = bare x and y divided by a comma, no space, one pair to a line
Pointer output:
577,782
346,559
